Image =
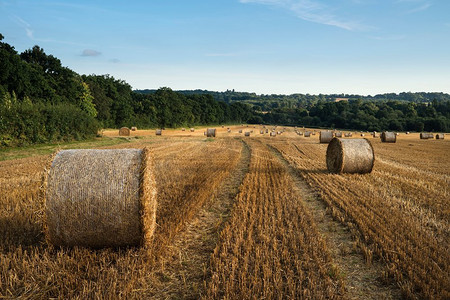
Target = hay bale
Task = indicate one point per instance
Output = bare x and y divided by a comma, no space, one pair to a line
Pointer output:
158,132
211,132
183,129
338,134
350,156
247,133
388,137
124,131
325,137
192,129
134,128
261,131
229,130
267,130
375,134
362,134
426,135
100,198
240,130
348,134
440,136
273,133
307,134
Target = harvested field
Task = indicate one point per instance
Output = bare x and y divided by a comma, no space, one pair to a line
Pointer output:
243,218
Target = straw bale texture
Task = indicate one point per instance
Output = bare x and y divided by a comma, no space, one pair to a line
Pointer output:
158,132
388,137
211,132
426,135
100,198
124,131
325,137
350,156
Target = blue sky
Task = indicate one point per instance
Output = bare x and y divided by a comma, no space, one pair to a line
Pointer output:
263,46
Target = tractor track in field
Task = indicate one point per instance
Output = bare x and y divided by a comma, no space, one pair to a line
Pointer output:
187,271
362,280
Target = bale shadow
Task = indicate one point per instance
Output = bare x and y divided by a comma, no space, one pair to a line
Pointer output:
18,230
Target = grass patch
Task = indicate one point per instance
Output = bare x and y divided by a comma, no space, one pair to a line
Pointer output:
43,149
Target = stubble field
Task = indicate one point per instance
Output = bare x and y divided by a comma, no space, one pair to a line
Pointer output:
248,218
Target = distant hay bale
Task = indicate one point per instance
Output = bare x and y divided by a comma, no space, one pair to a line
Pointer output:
223,126
124,131
407,132
228,130
338,134
350,156
307,134
100,198
348,134
158,132
426,135
440,136
247,133
267,130
300,133
183,129
388,137
362,134
211,132
325,137
134,128
240,130
313,133
375,134
192,129
273,133
261,131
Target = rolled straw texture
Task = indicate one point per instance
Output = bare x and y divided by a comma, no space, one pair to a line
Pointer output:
124,131
350,156
388,137
100,198
325,137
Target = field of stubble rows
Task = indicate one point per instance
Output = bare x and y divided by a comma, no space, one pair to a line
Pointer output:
254,217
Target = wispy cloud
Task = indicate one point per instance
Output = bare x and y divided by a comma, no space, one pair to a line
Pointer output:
25,25
423,7
90,52
313,11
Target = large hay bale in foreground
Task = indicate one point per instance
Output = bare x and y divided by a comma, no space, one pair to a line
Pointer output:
124,131
350,156
158,132
211,132
440,136
388,137
100,198
325,137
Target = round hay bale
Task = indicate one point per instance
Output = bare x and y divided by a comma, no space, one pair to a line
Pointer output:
362,134
261,131
267,130
307,134
338,134
192,129
100,198
426,135
158,132
350,156
247,133
273,133
183,129
388,137
211,132
134,128
348,134
124,131
240,130
440,136
325,137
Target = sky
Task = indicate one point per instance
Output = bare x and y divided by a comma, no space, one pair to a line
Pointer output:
364,47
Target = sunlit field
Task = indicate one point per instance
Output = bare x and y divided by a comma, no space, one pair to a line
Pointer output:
247,217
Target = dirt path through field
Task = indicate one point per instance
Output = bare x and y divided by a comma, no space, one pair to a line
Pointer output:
363,281
186,272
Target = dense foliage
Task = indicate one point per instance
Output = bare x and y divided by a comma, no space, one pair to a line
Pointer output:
41,101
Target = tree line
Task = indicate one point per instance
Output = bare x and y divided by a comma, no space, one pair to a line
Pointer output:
43,101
